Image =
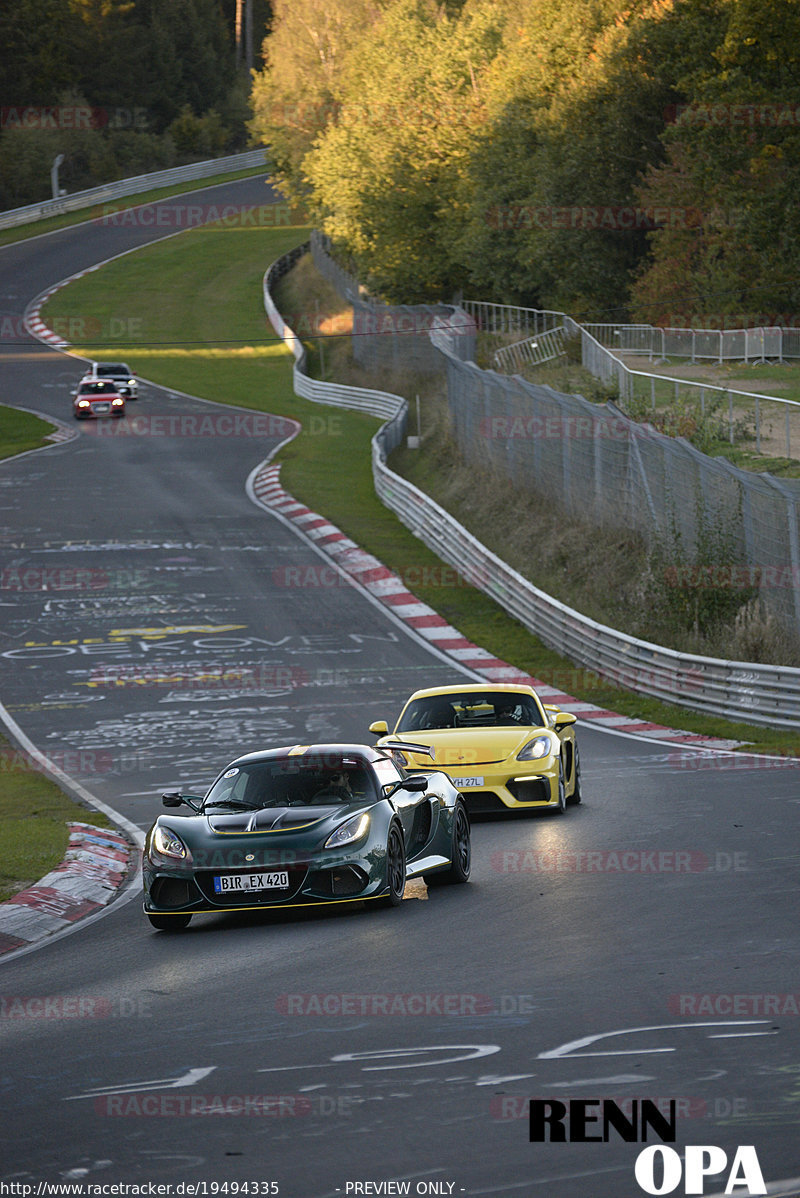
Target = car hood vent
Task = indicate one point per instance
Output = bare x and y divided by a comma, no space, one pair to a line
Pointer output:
269,819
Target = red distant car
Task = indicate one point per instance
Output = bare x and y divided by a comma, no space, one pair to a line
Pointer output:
96,398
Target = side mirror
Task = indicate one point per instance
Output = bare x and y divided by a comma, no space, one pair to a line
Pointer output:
564,719
417,782
380,728
174,798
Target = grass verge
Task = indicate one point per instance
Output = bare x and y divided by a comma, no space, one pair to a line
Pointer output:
21,431
34,814
198,298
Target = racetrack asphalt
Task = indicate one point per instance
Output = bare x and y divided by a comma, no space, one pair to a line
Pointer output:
645,944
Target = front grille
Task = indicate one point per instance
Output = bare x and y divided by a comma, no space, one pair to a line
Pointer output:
342,882
169,893
530,792
248,898
483,802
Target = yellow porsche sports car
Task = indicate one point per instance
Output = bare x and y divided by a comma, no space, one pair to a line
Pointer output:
501,746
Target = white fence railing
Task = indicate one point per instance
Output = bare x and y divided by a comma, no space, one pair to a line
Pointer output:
719,345
14,217
600,345
542,347
741,691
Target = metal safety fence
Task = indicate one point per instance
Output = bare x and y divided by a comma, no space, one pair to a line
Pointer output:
600,344
717,345
388,337
15,217
594,458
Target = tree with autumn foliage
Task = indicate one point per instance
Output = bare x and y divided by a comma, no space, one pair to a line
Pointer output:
733,165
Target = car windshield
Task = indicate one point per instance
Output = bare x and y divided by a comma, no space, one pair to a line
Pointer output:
112,368
470,709
293,782
97,389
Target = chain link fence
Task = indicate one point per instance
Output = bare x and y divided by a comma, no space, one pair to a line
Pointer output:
596,462
761,694
388,337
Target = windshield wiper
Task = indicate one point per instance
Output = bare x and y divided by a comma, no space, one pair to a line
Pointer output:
237,803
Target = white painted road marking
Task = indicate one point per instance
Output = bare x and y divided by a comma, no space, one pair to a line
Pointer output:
568,1050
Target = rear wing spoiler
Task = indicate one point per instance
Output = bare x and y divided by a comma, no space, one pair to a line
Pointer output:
407,746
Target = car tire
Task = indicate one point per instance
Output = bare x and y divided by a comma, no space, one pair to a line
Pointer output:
461,852
561,806
395,867
170,923
576,796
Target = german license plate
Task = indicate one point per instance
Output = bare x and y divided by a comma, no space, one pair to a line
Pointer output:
462,783
237,883
101,408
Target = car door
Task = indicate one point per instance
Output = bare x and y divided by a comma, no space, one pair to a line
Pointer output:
418,810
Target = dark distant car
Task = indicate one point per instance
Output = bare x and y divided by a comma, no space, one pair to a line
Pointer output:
116,372
96,398
307,825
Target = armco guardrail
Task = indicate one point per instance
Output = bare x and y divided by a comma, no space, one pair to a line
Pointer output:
126,187
743,691
360,399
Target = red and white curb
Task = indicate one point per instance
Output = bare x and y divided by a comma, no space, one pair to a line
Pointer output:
33,320
390,590
94,867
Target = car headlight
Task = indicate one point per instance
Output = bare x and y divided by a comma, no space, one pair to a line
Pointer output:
168,844
541,746
349,832
116,403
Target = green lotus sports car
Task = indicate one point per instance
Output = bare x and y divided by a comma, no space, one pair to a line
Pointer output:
311,824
